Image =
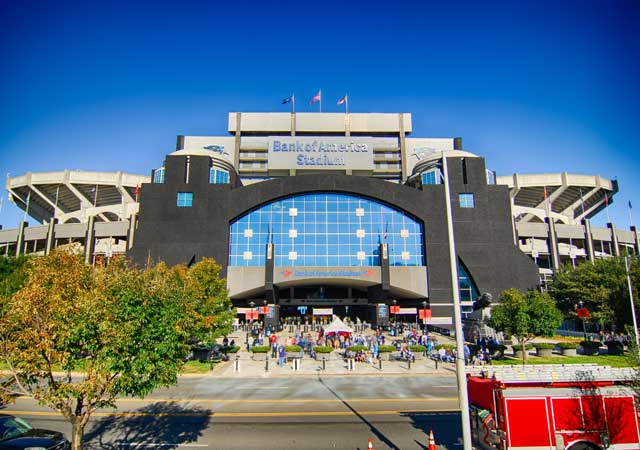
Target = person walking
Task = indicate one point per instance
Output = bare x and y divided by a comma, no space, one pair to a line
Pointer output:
281,355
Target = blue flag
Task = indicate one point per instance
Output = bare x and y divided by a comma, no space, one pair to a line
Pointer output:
630,207
287,100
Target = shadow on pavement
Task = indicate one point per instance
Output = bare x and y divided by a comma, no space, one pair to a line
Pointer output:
446,426
168,425
377,433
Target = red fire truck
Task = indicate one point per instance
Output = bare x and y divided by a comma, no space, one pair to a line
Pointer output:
553,407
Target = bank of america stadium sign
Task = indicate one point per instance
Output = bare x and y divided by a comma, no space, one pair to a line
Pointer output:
325,153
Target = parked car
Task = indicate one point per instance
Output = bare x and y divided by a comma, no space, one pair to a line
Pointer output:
17,434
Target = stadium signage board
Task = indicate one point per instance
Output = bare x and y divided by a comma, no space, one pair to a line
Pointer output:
325,153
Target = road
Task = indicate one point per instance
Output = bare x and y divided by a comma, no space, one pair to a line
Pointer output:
396,412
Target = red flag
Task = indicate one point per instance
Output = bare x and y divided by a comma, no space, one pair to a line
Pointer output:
137,191
545,192
606,199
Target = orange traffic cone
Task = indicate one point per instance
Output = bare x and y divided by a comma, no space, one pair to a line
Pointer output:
432,441
370,446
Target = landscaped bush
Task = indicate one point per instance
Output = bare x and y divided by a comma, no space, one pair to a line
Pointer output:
292,348
322,349
357,348
567,345
518,346
591,344
445,346
543,345
417,348
260,349
233,349
386,349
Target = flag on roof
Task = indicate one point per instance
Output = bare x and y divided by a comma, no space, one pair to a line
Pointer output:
317,97
606,199
288,100
630,207
343,100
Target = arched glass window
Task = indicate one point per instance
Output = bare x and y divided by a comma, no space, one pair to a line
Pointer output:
468,289
326,230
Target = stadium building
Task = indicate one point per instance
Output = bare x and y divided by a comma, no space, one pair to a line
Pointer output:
319,213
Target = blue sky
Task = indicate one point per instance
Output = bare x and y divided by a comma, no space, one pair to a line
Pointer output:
532,86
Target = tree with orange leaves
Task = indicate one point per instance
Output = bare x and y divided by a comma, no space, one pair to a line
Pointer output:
76,337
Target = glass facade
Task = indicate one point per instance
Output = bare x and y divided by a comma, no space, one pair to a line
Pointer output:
467,200
185,199
218,176
326,230
158,176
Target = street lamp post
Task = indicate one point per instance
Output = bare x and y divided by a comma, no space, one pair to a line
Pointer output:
395,314
250,328
424,314
463,396
633,307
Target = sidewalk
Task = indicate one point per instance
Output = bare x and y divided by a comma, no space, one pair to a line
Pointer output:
247,367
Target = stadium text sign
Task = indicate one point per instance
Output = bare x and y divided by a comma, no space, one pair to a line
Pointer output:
323,153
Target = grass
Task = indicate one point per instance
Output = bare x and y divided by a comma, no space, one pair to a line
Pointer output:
603,360
197,367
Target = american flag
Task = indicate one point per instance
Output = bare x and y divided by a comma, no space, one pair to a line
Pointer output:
317,97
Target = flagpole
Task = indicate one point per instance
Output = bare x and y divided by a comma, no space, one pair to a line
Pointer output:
606,206
346,103
320,99
95,197
630,216
582,203
293,103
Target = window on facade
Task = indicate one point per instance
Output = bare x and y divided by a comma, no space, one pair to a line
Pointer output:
432,177
491,177
467,288
466,200
326,230
185,199
218,176
158,176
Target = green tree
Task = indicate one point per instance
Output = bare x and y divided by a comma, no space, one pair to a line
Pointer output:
525,316
601,286
119,331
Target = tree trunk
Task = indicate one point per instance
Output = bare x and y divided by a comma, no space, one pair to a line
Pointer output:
77,434
524,353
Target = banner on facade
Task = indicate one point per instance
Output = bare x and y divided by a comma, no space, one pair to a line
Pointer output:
407,311
322,311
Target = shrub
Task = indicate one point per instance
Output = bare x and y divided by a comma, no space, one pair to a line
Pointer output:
518,346
233,349
543,345
292,348
567,345
322,349
260,349
417,348
445,346
590,344
357,348
386,349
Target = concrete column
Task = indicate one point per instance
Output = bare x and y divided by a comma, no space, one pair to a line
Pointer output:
51,236
636,240
403,149
20,241
236,153
614,238
552,243
588,240
133,223
89,241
